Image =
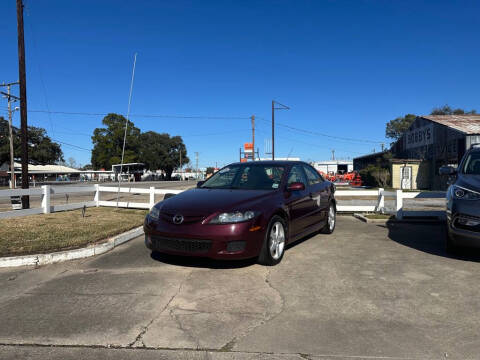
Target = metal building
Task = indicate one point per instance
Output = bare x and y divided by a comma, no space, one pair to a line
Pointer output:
438,140
334,166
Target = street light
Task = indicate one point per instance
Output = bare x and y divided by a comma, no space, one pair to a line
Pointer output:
279,107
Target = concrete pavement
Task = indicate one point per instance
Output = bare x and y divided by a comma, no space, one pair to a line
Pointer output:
367,291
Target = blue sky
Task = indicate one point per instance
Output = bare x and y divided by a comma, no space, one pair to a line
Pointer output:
344,67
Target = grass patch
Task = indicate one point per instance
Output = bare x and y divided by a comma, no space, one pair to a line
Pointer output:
379,216
64,230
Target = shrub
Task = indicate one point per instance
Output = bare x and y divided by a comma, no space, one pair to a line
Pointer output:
375,176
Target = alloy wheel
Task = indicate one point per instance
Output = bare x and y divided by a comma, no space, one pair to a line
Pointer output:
277,240
331,218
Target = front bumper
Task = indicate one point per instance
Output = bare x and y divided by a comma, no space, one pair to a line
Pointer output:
230,241
461,215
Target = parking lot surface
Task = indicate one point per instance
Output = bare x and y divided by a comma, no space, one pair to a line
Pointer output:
367,291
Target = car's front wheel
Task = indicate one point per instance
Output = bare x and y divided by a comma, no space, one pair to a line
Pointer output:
449,245
274,243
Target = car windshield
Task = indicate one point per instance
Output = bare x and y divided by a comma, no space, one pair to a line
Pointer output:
246,177
472,164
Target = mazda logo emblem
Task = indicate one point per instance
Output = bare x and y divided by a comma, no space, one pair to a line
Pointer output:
177,219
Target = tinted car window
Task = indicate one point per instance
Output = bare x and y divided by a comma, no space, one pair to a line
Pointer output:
312,176
247,177
296,175
223,178
472,164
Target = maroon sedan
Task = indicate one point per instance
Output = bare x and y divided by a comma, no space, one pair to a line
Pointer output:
245,210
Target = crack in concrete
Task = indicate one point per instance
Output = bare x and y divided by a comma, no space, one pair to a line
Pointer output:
143,331
176,318
231,344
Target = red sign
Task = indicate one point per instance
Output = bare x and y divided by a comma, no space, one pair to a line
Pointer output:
248,146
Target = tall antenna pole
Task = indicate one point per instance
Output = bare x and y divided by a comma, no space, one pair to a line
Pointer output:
23,102
126,126
273,129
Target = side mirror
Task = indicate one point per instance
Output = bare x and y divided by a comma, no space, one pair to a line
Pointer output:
296,186
200,183
447,170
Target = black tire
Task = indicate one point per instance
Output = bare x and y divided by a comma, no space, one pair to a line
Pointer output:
332,212
450,247
266,257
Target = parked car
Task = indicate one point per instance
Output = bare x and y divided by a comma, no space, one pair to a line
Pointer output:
463,201
244,210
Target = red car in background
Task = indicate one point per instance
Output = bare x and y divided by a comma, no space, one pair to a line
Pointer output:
244,210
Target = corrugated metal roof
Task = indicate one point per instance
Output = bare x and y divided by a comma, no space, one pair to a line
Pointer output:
47,169
468,124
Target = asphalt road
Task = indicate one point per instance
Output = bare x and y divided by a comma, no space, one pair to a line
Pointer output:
365,292
35,201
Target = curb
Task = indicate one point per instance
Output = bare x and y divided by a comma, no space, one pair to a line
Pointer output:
405,220
60,256
374,221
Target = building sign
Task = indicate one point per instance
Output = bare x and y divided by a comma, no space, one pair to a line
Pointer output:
419,137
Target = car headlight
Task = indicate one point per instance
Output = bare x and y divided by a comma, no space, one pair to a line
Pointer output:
233,217
154,213
464,193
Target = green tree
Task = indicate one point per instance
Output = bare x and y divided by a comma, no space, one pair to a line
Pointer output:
396,127
447,110
108,142
210,170
162,152
41,149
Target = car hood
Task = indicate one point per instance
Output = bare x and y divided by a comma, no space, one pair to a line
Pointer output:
207,201
469,181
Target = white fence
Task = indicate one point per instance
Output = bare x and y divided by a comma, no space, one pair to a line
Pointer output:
46,191
380,194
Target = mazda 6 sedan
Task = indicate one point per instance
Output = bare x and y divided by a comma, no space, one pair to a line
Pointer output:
245,210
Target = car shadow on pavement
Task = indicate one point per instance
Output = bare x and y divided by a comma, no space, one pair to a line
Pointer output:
429,238
200,262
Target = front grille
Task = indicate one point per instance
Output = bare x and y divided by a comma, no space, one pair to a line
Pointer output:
188,219
181,245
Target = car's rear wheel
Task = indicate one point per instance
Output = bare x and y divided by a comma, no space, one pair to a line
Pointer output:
331,220
274,243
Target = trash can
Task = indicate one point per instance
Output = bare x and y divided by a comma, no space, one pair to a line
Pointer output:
16,202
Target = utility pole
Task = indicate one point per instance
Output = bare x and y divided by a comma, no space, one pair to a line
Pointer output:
23,102
10,131
333,154
282,107
253,137
181,174
196,160
383,146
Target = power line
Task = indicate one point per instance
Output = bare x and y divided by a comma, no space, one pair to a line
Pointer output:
72,145
310,132
310,144
147,115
